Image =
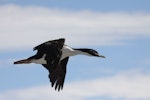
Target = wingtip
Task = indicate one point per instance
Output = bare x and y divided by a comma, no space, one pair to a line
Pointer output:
62,39
56,85
58,88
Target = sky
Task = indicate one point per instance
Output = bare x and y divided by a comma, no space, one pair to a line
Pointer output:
117,29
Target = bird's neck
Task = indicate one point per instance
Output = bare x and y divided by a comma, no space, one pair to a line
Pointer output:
68,51
81,52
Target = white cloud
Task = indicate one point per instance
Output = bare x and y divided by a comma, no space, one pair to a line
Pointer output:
129,86
23,27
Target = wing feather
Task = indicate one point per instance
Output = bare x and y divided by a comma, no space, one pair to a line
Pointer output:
51,42
57,69
57,76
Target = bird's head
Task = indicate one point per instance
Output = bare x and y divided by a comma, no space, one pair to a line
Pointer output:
92,52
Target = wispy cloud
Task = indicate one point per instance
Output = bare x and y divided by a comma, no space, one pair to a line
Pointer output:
27,26
129,86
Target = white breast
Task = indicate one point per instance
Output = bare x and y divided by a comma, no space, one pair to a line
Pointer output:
67,51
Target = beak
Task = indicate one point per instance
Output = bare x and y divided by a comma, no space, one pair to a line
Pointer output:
101,56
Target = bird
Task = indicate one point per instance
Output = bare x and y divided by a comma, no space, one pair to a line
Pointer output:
54,56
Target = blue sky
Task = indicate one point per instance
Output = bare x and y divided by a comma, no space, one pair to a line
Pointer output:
95,5
119,30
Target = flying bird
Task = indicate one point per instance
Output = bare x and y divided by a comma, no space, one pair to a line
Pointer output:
54,55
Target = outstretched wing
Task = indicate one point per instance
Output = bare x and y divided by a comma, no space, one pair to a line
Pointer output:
53,51
57,42
57,69
57,74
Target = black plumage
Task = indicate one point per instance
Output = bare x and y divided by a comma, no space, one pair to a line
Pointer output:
54,55
56,68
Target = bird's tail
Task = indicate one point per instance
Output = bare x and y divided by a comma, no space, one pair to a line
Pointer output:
24,61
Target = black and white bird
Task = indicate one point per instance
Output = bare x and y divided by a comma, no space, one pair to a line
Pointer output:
54,55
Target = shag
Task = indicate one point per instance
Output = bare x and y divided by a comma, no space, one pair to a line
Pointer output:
54,55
